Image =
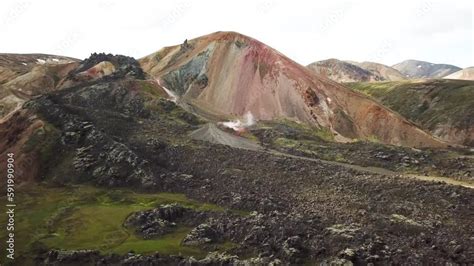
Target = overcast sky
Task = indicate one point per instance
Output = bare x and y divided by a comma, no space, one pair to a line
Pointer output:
306,31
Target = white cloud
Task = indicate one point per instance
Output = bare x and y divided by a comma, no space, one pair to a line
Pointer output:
385,31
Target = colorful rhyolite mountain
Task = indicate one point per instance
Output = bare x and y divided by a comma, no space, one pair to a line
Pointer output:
351,71
387,73
465,74
227,74
421,69
342,71
23,76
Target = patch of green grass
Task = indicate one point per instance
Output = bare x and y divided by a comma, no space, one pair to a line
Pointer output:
324,133
373,138
86,217
428,103
287,143
303,131
150,89
248,135
172,112
339,158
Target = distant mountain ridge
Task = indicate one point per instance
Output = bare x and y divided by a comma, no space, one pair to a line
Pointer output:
384,71
464,74
422,69
23,76
351,71
342,71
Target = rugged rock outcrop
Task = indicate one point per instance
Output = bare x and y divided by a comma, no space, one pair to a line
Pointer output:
101,65
74,117
164,219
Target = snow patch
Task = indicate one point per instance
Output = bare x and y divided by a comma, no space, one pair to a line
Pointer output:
40,61
25,64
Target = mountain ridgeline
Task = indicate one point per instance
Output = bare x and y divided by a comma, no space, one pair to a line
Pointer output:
422,69
226,74
351,71
444,107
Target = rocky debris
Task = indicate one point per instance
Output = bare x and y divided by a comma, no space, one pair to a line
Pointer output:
201,235
71,257
382,155
398,218
348,254
436,162
99,155
293,247
218,258
124,66
337,262
83,160
293,201
333,195
156,222
376,251
87,257
255,231
346,231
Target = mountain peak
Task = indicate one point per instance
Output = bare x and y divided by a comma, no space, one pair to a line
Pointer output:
421,69
342,71
227,74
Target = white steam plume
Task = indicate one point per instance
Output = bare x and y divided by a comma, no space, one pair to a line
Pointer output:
239,125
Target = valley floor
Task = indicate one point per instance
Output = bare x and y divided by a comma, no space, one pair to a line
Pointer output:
304,211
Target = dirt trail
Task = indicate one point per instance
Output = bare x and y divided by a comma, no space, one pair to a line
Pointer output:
211,133
382,171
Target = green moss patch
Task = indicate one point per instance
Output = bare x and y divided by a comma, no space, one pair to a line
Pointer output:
86,217
428,103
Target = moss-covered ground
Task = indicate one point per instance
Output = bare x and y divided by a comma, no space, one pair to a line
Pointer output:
427,103
87,217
